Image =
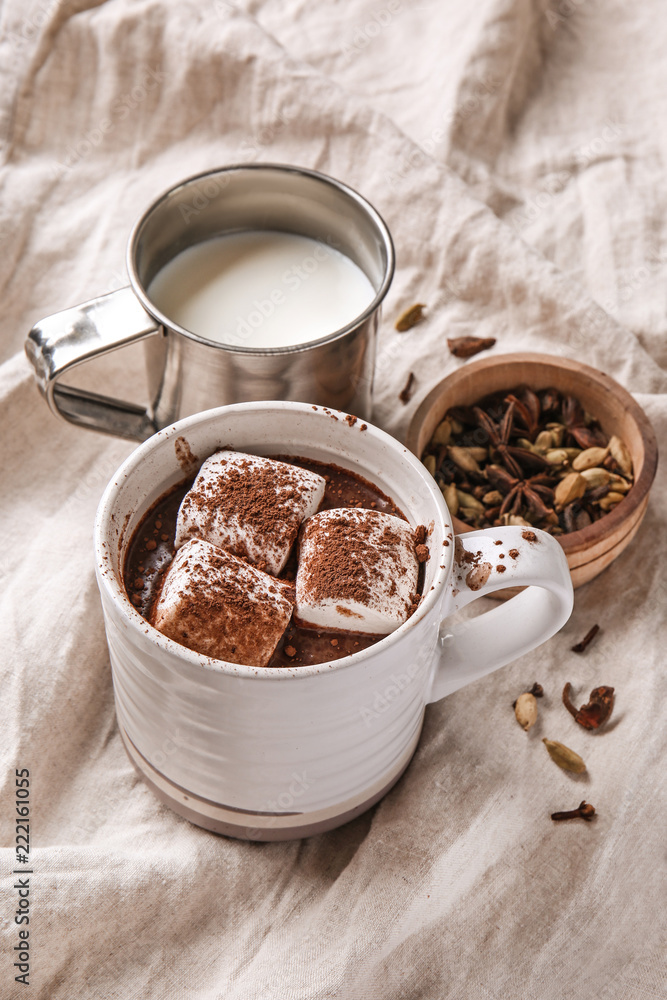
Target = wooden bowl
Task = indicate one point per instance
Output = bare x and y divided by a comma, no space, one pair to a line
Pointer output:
592,549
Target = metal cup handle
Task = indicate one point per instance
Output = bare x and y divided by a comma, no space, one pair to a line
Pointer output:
70,338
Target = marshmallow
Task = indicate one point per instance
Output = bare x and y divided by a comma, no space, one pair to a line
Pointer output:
213,602
249,505
357,571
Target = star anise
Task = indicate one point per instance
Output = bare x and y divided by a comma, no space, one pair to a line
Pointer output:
527,408
574,419
500,434
534,493
501,461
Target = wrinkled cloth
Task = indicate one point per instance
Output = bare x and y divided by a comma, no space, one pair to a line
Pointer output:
517,151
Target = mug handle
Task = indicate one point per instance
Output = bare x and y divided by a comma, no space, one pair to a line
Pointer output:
491,560
73,336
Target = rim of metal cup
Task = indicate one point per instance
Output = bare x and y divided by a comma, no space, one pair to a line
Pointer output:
115,590
173,191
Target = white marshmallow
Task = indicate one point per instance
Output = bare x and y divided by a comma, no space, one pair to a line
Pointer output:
213,602
357,571
249,505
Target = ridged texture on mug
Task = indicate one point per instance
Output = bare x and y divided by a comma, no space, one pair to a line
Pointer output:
285,740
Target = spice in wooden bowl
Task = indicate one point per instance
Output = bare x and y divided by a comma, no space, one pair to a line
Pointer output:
528,458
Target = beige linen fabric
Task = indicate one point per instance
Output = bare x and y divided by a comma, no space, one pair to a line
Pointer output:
518,154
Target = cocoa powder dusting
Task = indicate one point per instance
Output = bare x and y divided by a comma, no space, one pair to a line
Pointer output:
262,498
344,489
222,620
184,456
360,552
346,575
347,612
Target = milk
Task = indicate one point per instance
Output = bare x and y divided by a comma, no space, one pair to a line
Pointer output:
261,289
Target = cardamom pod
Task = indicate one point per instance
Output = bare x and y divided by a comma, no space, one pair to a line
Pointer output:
556,456
478,453
621,455
492,498
596,477
572,487
557,433
450,493
470,502
525,710
462,458
516,521
429,464
610,501
544,442
442,434
619,484
589,458
410,317
564,757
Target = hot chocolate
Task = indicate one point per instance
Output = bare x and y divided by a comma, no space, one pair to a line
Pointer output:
152,551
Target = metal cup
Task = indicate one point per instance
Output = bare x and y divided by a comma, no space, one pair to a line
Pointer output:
187,373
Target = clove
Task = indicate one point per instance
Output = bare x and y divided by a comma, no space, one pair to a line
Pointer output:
406,392
585,810
587,640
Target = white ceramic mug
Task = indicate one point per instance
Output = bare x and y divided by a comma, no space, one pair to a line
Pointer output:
279,753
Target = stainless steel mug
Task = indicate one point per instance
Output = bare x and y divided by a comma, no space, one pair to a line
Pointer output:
187,373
